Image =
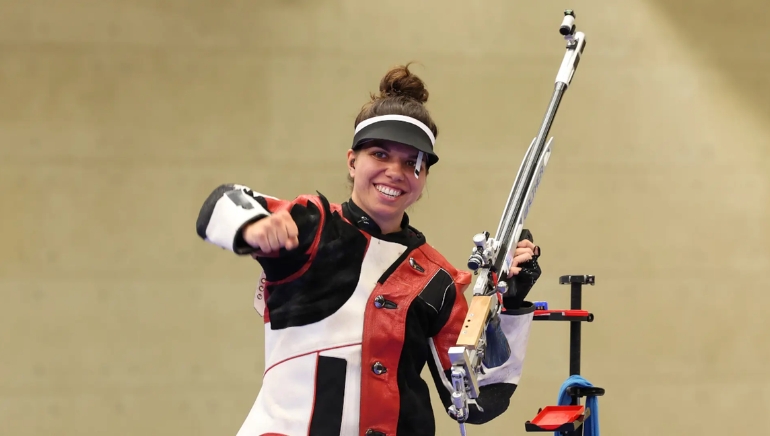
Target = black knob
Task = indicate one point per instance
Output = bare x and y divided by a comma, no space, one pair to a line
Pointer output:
378,368
379,301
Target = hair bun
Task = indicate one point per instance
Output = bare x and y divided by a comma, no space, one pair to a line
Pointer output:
400,82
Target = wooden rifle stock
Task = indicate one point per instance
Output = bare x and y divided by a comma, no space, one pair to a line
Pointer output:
476,321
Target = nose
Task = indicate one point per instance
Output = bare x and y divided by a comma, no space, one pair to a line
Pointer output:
395,170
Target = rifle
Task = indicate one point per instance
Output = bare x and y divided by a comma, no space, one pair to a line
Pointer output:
481,342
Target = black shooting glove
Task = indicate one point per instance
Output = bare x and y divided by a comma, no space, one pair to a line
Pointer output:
520,284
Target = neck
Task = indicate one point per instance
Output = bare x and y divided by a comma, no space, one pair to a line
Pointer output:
389,224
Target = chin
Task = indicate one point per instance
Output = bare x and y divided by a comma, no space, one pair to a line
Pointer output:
387,208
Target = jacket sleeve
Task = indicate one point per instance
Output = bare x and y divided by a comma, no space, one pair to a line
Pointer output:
496,385
231,207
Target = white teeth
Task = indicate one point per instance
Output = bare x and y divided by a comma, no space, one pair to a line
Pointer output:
388,191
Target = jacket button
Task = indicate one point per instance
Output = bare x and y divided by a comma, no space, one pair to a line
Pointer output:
371,432
378,368
379,302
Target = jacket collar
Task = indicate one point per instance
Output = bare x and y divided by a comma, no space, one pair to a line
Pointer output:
408,235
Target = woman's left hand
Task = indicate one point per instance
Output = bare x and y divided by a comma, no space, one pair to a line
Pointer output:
525,251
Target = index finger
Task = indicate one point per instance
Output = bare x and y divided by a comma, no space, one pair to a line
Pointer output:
525,243
291,228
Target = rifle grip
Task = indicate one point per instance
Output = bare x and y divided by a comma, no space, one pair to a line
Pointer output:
475,321
526,234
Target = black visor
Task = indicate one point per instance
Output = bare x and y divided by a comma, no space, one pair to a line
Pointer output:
397,128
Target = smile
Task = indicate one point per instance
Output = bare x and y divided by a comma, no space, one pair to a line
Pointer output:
388,191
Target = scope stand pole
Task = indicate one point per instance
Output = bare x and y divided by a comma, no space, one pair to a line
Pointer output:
576,283
576,297
576,303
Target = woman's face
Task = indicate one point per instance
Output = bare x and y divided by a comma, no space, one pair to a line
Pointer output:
384,185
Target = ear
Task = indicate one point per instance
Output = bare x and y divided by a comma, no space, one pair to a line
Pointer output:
352,162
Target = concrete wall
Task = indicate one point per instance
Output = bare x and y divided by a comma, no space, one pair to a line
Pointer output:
117,118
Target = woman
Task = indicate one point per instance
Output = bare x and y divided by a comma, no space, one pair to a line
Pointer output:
357,303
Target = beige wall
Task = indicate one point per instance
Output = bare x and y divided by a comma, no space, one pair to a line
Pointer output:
117,118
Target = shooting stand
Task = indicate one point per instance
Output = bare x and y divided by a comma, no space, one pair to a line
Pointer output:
567,420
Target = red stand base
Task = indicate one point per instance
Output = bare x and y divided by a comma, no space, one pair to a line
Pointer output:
558,418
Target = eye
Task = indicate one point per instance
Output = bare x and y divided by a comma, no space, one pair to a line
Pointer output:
411,163
379,154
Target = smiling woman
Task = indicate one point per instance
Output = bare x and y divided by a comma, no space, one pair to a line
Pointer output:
380,155
356,301
385,183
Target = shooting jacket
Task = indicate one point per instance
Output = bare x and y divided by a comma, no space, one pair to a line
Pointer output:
352,316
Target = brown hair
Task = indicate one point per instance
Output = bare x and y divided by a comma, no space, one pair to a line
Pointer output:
401,93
